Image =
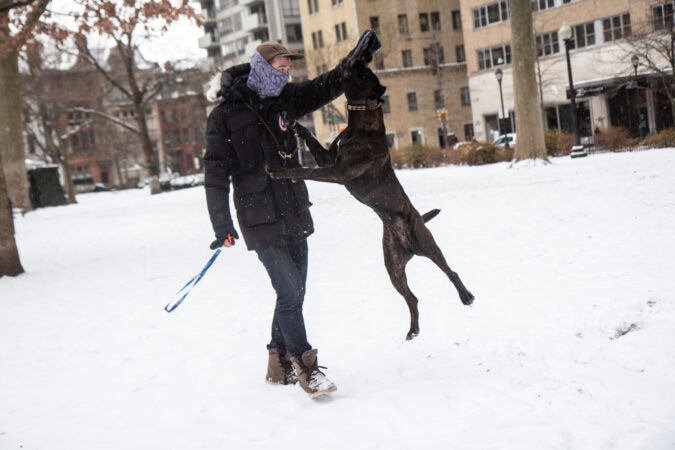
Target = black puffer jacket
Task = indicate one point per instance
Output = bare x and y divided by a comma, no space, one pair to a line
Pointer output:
238,146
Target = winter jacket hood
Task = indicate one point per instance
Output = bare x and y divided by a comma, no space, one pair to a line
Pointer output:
233,83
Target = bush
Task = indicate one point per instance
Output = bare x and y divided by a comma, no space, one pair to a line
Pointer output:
479,153
664,138
415,156
558,142
615,139
471,153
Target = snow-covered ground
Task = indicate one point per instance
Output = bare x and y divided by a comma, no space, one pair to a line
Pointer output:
570,343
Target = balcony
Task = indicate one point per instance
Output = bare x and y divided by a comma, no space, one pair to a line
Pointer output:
207,41
208,16
253,22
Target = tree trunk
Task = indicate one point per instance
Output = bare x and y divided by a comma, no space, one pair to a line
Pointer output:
9,254
11,135
67,177
529,123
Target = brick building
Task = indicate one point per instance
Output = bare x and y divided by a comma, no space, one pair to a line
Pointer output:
105,153
605,43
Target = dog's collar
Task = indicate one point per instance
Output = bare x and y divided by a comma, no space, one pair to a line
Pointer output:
364,105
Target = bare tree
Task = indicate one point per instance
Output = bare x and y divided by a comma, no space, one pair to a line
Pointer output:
17,21
41,117
127,24
529,121
655,50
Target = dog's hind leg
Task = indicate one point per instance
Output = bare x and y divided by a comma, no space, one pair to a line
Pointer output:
425,245
395,259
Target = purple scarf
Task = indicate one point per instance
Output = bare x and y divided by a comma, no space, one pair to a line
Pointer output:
264,79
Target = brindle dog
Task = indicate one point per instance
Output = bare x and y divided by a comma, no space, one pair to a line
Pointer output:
359,159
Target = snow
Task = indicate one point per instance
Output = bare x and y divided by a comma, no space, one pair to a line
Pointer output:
569,344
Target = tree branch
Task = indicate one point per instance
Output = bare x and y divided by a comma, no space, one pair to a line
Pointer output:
86,52
107,117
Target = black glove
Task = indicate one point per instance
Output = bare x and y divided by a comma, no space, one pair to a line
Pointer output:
222,234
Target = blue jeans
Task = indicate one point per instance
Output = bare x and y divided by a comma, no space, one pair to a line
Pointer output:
287,267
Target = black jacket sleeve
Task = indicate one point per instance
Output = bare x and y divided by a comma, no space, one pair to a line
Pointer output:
219,164
308,96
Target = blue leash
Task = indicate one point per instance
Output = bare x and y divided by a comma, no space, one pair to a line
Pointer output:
185,290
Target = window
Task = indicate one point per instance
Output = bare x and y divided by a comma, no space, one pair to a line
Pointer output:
375,24
424,22
547,43
403,24
495,56
456,20
386,106
294,34
391,140
468,131
490,14
434,55
406,57
459,53
464,96
617,27
317,40
538,5
379,61
337,2
583,35
321,69
412,101
341,32
290,8
313,6
83,140
662,16
435,21
439,103
416,137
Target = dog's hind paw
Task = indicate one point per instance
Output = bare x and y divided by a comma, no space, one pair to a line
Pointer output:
467,298
411,335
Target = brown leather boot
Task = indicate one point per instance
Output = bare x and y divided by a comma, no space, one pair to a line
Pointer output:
312,380
280,369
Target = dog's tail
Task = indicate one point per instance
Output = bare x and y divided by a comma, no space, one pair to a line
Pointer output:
430,215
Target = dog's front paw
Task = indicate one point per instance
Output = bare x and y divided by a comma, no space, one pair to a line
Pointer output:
300,130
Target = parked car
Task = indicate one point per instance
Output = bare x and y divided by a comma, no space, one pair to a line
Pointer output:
578,151
501,140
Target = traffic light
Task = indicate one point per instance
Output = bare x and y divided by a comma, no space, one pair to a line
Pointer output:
439,115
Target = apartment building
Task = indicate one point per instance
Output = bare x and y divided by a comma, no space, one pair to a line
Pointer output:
421,63
234,28
613,73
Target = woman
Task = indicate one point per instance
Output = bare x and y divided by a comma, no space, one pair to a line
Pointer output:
246,132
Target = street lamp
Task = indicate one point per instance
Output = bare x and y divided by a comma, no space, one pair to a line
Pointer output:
635,61
499,75
565,33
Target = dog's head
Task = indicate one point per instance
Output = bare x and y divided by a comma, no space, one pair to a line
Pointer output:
358,80
360,83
